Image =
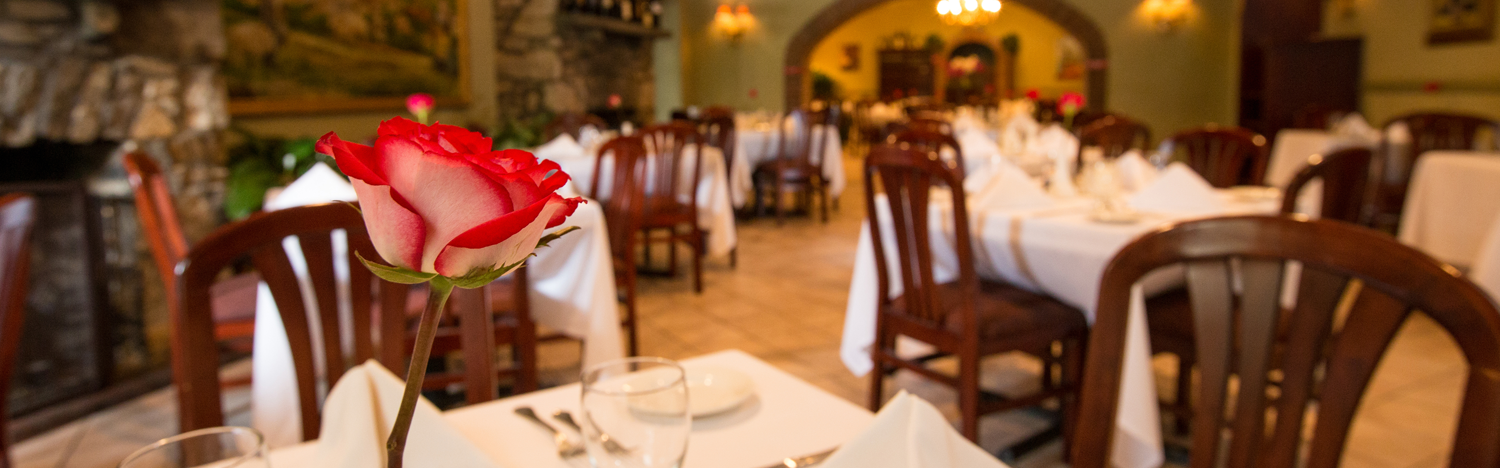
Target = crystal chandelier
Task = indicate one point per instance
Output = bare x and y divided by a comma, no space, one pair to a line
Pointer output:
968,12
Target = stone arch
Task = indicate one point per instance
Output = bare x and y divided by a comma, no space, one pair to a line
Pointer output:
799,50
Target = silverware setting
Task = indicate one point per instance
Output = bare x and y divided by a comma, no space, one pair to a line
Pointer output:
610,445
804,461
565,446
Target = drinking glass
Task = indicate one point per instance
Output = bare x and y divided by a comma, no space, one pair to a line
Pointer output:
216,447
635,413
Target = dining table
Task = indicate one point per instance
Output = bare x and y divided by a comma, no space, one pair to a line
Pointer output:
758,142
785,417
572,291
1451,204
1058,248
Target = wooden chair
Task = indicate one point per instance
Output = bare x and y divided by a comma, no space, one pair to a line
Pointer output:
1320,368
930,125
1086,117
1345,175
234,299
572,123
719,131
378,324
1225,157
933,142
1170,317
676,167
794,167
1429,132
969,317
1115,134
507,300
17,215
623,213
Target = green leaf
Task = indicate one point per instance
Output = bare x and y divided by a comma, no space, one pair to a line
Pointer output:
480,278
547,239
395,274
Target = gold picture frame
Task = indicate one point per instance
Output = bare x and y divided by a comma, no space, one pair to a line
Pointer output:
323,56
1461,21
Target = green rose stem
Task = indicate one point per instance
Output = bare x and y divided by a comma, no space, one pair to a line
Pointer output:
437,296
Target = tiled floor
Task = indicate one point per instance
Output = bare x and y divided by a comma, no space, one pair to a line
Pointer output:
785,304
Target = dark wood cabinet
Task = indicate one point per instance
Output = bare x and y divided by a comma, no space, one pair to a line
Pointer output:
1285,80
906,73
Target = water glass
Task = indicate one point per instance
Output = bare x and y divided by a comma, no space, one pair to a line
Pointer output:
635,413
216,447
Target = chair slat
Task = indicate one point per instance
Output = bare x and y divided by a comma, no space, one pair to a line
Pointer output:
1212,295
1260,311
276,270
361,297
317,251
1319,291
1374,320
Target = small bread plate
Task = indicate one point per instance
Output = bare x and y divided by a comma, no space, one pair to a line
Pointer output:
716,390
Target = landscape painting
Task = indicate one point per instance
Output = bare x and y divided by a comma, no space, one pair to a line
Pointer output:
338,55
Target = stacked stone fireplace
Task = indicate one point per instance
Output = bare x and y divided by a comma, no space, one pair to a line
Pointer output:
81,83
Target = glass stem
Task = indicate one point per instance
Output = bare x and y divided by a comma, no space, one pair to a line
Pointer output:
437,296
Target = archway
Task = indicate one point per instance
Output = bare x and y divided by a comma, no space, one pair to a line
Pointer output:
799,50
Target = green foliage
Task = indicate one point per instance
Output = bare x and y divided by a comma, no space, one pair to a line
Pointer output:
934,44
823,86
1011,43
258,163
525,133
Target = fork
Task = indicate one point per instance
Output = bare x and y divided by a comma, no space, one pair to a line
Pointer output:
565,446
610,445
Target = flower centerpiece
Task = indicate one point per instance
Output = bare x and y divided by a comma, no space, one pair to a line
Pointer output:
443,208
1068,105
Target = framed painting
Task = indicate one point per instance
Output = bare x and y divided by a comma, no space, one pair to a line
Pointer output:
1461,21
299,56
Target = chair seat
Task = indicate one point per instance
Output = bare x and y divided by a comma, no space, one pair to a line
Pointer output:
665,212
789,171
234,298
1007,313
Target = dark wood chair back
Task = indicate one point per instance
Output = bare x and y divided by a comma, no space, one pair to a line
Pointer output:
378,324
17,216
572,123
1322,369
1115,135
1225,157
675,149
158,215
718,111
930,125
929,141
1429,132
719,132
1086,117
1345,174
907,177
798,143
624,212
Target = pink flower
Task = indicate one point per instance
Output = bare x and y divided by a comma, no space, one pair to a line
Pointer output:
1033,94
1070,103
614,101
420,105
437,199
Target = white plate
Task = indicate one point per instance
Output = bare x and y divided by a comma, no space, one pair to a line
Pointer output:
714,390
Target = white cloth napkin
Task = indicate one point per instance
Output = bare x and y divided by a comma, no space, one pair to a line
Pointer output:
1008,187
1135,172
320,184
1354,130
357,419
1057,143
979,150
910,433
562,147
1018,137
589,136
1178,189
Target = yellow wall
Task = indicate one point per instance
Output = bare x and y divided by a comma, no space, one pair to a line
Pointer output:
1398,61
1171,80
1036,63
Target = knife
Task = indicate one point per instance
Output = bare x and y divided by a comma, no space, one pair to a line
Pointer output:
808,460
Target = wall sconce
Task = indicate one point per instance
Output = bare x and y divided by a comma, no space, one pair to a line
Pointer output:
1166,15
733,21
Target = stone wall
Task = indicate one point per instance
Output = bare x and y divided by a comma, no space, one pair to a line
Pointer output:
546,65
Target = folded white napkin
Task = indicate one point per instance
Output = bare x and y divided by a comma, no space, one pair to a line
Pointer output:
589,136
1060,183
1007,187
1135,172
910,433
359,413
978,149
1354,130
1178,189
1057,143
562,147
320,184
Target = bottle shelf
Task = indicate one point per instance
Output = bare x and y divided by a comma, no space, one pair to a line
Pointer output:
610,25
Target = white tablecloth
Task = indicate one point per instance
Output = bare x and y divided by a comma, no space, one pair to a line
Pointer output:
715,214
1453,198
786,418
1289,154
758,144
572,291
1066,253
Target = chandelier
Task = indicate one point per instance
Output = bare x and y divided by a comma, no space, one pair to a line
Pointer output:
968,12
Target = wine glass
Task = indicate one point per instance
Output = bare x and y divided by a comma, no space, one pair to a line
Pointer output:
635,413
226,447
